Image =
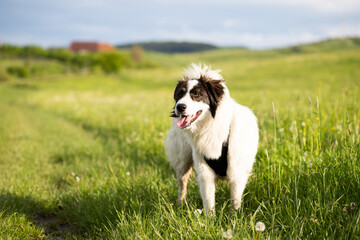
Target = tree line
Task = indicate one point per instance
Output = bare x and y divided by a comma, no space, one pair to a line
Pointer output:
107,62
171,47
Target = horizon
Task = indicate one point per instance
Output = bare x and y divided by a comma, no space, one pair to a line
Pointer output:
119,46
255,25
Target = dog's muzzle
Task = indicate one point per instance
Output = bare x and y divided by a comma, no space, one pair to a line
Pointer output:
181,108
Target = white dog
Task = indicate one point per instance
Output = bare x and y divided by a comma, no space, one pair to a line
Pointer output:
211,132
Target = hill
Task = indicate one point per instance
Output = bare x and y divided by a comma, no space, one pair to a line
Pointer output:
222,55
191,47
171,47
325,45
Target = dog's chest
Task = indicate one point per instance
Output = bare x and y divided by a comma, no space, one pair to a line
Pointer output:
220,164
213,141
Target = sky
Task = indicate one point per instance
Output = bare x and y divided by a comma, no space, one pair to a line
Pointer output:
257,24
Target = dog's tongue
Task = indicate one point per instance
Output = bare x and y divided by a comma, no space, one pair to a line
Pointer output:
185,121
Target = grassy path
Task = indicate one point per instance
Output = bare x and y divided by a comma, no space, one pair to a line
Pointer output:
64,176
47,148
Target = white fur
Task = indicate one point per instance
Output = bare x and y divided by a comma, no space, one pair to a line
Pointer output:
195,71
186,148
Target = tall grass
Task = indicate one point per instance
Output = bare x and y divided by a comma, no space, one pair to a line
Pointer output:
82,156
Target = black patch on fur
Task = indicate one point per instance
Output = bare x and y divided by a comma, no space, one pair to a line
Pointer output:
199,93
219,165
180,90
214,91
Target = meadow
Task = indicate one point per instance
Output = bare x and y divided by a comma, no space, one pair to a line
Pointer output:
82,155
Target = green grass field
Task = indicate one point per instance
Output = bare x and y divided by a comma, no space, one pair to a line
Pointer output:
82,156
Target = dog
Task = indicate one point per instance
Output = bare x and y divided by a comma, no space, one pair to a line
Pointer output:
213,134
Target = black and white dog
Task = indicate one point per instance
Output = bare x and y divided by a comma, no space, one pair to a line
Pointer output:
212,133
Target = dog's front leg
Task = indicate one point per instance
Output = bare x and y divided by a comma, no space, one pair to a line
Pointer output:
183,175
206,179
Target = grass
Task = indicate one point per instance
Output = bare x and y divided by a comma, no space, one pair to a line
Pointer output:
81,156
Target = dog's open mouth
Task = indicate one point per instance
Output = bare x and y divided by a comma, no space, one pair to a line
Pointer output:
186,121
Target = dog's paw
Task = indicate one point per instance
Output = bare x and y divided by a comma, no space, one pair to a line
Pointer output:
210,213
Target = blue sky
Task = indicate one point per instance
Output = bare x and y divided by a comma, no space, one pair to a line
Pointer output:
256,24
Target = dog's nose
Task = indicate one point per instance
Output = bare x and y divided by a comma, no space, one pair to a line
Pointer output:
181,107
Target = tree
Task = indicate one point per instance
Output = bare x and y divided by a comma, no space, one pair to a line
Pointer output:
112,62
137,54
33,52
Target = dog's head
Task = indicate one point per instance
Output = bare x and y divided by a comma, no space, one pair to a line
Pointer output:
197,95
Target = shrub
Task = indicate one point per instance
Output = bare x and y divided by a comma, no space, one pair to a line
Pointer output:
62,55
42,68
21,72
4,76
111,62
7,50
78,62
33,52
108,62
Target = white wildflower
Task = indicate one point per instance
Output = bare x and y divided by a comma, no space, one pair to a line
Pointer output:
198,212
281,129
260,227
77,179
228,234
313,219
73,174
353,205
303,124
127,173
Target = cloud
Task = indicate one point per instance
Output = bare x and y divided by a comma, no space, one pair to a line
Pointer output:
229,23
341,30
93,29
260,40
32,39
223,37
256,23
326,6
330,6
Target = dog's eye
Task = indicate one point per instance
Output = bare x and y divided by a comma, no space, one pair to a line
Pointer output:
196,93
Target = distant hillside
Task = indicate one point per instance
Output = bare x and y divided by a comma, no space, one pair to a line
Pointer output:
326,45
171,47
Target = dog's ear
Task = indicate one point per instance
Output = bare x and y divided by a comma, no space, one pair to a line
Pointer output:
215,92
180,89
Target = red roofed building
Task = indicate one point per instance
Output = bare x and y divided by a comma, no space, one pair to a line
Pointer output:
90,47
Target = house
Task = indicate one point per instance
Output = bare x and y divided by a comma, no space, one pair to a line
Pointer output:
90,47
